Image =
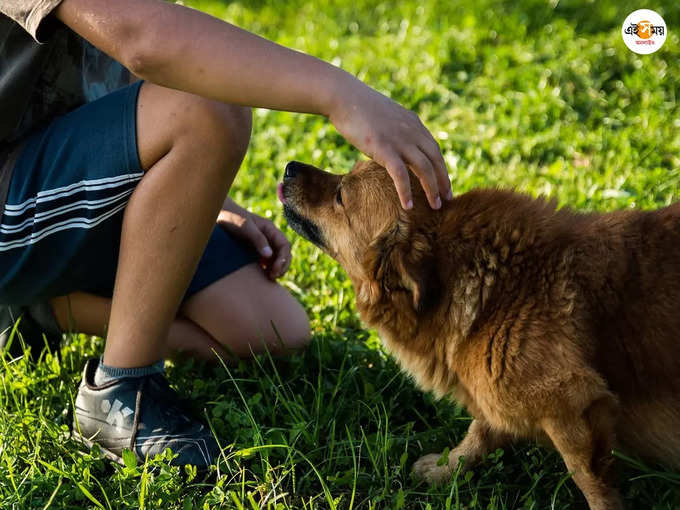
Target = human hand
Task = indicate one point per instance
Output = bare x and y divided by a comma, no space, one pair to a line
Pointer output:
268,240
393,137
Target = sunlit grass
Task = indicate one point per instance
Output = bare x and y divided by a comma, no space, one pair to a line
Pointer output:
537,95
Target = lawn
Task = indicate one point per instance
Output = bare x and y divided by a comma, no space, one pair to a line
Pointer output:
538,95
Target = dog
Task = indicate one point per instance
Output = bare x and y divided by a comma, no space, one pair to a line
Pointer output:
543,322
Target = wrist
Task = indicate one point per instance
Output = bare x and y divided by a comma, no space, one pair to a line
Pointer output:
337,91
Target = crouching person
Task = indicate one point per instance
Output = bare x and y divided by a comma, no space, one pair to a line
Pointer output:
113,192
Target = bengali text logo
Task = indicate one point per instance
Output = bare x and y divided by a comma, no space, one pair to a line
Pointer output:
644,31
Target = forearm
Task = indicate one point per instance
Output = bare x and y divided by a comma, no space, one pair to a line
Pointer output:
185,49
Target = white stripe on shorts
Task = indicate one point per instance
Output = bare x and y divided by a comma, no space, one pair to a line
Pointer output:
85,223
71,189
45,215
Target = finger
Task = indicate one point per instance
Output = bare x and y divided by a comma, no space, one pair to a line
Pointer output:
257,239
275,237
281,246
434,153
282,263
397,169
277,268
422,167
286,266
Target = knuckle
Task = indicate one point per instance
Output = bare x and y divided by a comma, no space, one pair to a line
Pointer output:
396,171
433,146
423,163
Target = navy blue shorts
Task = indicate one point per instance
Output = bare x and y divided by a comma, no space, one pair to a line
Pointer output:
61,225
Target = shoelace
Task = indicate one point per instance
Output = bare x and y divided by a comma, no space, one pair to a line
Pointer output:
135,423
172,404
179,405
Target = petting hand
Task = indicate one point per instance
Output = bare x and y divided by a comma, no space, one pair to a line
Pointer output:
268,240
394,137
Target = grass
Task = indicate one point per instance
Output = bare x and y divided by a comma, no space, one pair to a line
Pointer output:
538,95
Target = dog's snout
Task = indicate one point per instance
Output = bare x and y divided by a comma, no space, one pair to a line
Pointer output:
291,169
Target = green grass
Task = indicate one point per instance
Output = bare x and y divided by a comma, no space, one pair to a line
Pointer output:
538,95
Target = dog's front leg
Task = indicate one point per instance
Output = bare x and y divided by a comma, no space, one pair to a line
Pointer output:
480,440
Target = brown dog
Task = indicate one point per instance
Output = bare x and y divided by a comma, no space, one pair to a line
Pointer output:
544,323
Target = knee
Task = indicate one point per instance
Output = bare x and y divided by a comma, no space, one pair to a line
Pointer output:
233,123
223,129
173,120
293,329
281,323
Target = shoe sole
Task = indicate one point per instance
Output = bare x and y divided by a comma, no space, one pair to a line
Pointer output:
76,436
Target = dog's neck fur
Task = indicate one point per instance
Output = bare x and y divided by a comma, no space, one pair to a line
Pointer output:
483,264
395,318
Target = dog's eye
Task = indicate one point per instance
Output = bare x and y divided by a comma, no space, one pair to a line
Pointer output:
338,196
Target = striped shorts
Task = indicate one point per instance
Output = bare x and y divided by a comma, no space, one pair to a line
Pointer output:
61,224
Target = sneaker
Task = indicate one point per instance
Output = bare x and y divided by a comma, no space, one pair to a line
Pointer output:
34,322
142,414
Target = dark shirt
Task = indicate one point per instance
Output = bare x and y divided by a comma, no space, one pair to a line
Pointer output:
46,70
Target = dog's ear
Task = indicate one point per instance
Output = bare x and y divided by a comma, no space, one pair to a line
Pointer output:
398,261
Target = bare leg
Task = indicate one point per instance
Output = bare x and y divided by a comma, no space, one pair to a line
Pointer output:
238,309
89,314
479,441
585,443
244,312
191,149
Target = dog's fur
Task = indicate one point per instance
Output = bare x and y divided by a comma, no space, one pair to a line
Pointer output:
543,322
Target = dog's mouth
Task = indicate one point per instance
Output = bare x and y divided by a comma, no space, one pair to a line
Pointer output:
279,193
303,226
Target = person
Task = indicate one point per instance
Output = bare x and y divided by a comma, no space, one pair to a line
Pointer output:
123,125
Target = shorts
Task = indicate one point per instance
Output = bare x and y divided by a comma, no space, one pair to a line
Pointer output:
61,225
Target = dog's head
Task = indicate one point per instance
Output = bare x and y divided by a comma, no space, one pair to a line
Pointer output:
357,219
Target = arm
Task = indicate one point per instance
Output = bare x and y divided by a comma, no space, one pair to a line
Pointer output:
185,49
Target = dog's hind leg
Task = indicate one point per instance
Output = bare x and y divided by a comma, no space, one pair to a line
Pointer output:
585,443
480,440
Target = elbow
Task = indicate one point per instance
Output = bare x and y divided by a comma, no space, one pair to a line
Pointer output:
138,63
143,59
138,34
147,48
153,57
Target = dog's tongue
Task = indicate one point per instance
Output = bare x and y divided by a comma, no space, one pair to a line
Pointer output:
279,192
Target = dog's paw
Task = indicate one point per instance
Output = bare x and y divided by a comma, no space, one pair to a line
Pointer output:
427,468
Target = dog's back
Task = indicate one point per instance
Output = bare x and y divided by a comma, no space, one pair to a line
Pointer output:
624,271
630,279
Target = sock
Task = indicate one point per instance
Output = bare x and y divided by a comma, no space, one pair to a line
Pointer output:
105,373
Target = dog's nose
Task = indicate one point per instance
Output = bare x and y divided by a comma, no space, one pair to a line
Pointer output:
291,169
